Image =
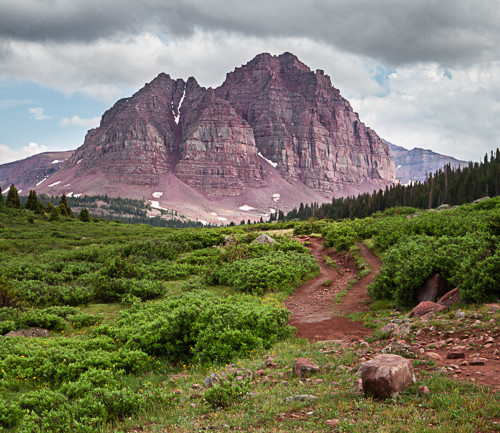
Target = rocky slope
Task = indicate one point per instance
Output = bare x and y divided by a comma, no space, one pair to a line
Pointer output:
274,134
414,165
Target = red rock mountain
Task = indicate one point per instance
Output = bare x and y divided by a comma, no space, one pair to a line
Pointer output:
274,134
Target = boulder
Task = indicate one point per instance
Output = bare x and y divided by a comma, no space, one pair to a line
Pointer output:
426,307
433,288
303,367
450,298
29,333
386,376
264,239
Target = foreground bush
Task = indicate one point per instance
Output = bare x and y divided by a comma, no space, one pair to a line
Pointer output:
201,327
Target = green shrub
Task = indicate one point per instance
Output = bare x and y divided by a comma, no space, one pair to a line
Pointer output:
226,392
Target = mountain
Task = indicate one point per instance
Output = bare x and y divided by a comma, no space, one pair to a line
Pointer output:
274,134
416,164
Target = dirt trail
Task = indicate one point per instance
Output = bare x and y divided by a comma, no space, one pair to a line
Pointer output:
312,304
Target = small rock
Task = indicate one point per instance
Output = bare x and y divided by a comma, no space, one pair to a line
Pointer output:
423,389
259,373
450,298
455,355
303,397
358,385
332,422
464,363
425,307
211,380
434,287
477,323
490,340
269,362
303,367
478,361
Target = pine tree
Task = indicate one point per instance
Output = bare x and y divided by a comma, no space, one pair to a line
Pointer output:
32,202
84,215
13,198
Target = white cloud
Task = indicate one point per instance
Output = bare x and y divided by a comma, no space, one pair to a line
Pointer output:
452,111
7,154
78,121
38,113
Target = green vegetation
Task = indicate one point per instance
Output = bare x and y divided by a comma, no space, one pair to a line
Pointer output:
139,316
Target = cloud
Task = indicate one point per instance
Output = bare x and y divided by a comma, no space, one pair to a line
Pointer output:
38,113
78,121
395,32
8,154
454,111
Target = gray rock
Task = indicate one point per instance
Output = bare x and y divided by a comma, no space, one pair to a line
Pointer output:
264,239
386,376
211,380
303,367
302,397
29,333
433,288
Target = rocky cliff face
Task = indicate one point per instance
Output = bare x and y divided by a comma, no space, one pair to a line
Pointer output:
415,165
274,134
302,123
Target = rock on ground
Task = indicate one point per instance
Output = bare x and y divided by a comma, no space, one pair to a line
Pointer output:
386,376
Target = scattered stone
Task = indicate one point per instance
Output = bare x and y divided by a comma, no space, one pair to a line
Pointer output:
29,333
434,356
451,298
464,363
455,355
433,288
259,373
302,397
460,314
401,349
269,362
478,361
177,376
386,375
211,380
490,340
333,422
426,307
303,367
358,385
477,323
493,307
423,389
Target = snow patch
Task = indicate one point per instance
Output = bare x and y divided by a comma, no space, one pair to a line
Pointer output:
3,192
55,183
213,213
20,191
276,197
42,181
157,194
272,211
399,166
77,195
178,115
203,222
69,194
68,184
274,164
222,219
246,208
56,161
156,205
78,162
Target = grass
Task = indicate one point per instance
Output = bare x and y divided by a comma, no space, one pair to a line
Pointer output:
451,405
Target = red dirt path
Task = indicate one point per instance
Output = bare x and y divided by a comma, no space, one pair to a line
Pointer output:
312,305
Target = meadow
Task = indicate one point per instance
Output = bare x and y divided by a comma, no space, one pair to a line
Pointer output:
139,316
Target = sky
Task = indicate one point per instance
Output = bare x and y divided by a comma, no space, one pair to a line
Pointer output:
421,73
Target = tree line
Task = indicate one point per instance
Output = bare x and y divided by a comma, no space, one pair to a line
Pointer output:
452,186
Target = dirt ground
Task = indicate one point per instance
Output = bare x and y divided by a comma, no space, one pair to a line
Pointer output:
317,316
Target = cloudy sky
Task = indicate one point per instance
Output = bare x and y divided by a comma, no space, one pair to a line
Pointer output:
421,73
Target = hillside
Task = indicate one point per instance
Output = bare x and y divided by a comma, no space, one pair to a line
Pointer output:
165,330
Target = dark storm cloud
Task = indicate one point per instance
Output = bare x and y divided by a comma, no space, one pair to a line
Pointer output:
394,31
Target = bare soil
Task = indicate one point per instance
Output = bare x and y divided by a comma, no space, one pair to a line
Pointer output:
317,316
312,305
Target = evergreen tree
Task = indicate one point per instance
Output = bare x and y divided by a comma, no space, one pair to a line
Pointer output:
13,199
64,208
84,215
32,202
54,213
